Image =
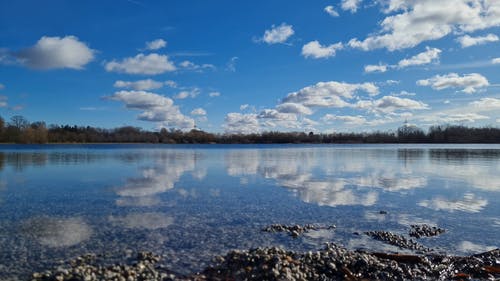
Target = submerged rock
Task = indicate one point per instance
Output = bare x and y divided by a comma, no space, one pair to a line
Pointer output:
397,240
295,230
424,230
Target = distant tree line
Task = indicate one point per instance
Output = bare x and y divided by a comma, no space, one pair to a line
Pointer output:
20,130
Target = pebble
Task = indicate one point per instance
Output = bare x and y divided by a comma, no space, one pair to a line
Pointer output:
424,230
295,230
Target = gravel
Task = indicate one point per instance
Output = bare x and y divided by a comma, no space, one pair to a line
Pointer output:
296,230
333,262
424,230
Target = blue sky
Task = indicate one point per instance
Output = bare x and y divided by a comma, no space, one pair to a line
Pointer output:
234,66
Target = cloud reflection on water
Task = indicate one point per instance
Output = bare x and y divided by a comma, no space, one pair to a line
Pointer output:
336,177
150,221
470,203
57,232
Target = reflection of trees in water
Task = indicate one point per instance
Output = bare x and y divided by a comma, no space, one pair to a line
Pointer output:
2,160
20,160
410,155
462,155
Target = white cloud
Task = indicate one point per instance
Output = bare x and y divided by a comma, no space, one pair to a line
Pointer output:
171,84
188,65
214,94
244,106
468,41
2,86
331,11
495,61
156,44
430,55
454,118
424,20
405,93
142,64
237,123
295,108
469,82
56,52
486,104
315,50
231,64
376,68
349,120
193,93
392,103
199,112
350,5
155,108
140,85
3,101
278,34
329,94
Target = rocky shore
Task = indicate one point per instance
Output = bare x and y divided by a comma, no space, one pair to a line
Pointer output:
333,262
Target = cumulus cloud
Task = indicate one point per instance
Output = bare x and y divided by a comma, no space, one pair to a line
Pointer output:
193,93
376,68
315,50
331,11
278,34
3,101
419,21
486,104
350,5
470,83
349,120
188,65
392,103
454,118
199,112
295,108
329,94
154,107
151,64
140,85
468,41
429,56
56,52
214,94
237,123
156,44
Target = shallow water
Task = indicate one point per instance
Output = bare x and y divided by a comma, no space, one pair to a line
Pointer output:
190,203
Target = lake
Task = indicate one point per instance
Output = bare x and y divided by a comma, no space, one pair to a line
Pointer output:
190,203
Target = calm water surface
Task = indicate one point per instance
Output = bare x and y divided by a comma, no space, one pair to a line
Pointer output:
190,203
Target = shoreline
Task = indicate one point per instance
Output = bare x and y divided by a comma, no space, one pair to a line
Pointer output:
332,262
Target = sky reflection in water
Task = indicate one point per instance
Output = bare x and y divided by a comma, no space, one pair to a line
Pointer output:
190,203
